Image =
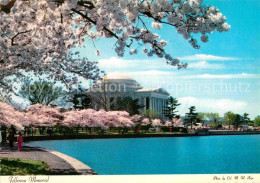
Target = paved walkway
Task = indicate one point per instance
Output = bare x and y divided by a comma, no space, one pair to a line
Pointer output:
58,162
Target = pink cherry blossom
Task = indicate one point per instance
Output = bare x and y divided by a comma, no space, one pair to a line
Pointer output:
145,122
168,124
38,36
9,116
156,123
177,122
44,115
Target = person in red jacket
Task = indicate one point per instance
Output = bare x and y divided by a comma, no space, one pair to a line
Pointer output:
19,141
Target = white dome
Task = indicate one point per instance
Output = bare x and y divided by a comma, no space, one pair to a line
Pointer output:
118,76
122,79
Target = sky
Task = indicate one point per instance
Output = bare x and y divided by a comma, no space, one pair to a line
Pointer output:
223,75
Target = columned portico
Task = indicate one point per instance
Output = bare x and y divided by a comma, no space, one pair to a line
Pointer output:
151,98
157,101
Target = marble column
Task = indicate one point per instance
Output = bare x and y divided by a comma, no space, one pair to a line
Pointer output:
143,103
157,106
164,107
160,107
152,103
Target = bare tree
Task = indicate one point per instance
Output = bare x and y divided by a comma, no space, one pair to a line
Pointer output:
42,92
104,94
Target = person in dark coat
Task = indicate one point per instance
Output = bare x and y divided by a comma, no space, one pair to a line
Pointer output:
10,138
3,134
13,130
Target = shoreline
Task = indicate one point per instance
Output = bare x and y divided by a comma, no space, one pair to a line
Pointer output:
79,166
109,136
59,163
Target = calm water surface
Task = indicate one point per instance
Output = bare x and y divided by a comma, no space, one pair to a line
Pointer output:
178,155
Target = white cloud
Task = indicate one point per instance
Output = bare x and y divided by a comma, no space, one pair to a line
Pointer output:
152,78
201,57
205,65
152,73
213,105
114,64
226,76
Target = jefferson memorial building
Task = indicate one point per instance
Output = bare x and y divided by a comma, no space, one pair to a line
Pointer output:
122,85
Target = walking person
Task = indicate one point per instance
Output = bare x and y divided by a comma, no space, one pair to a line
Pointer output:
3,134
11,134
10,139
13,130
19,141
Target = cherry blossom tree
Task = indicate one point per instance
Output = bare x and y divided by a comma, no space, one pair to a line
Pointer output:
136,119
9,116
145,122
37,36
122,119
44,115
168,124
156,123
112,120
87,116
39,115
99,119
177,122
73,118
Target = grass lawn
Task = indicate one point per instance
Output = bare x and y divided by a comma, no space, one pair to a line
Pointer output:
11,166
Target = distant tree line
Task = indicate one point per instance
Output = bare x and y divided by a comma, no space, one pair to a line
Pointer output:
47,93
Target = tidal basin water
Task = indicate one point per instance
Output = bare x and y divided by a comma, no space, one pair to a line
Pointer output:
177,155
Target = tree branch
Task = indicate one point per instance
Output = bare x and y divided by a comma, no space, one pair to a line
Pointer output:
12,39
94,22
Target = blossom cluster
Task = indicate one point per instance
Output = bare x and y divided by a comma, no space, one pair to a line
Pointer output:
38,36
39,115
10,116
